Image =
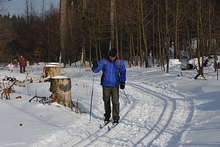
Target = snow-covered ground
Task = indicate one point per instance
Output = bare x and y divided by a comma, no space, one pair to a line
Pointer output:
166,110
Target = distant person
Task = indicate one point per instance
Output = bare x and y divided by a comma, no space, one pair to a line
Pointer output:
10,67
22,63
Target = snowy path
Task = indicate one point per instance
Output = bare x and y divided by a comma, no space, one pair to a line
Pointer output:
157,116
163,117
93,136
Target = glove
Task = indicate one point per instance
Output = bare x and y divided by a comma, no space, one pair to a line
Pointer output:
95,64
122,85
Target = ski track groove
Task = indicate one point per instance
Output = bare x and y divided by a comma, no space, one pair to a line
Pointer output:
148,139
149,134
100,132
84,141
152,131
188,98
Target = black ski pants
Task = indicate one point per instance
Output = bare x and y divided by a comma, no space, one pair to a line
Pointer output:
22,69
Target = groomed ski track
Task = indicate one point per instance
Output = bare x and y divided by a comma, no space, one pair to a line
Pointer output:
157,116
158,112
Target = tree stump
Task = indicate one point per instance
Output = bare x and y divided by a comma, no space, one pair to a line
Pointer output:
51,70
60,86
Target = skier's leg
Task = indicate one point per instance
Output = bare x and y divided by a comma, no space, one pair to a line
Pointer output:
106,99
115,102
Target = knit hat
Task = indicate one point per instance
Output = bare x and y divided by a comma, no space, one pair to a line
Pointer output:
112,52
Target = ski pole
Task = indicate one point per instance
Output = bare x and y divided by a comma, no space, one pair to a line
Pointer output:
91,99
126,96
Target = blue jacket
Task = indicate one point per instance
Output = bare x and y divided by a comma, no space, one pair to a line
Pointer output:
113,73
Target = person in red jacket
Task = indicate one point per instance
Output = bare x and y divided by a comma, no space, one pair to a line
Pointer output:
22,63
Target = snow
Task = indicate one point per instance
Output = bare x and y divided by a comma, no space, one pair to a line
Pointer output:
59,77
166,110
52,64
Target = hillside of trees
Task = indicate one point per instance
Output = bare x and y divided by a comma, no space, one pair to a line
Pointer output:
138,29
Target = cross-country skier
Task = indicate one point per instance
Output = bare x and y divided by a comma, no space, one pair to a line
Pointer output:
114,75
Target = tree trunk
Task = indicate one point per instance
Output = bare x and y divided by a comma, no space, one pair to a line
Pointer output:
167,39
63,4
176,46
60,86
143,35
112,20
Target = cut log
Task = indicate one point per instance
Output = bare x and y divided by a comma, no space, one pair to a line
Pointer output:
51,70
60,86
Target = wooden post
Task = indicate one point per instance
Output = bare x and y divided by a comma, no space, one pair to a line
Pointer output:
51,70
60,86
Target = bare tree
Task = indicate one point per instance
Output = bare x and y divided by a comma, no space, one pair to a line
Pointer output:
112,22
6,35
63,16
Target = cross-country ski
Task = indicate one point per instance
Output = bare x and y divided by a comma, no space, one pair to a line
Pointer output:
104,124
112,126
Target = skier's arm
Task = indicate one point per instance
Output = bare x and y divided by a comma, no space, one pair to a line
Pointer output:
122,72
99,67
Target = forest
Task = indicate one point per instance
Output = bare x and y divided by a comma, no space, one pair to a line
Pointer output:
142,31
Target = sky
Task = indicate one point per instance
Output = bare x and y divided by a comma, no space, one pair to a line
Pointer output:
17,7
166,110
